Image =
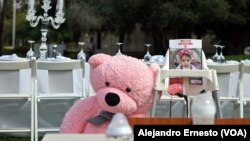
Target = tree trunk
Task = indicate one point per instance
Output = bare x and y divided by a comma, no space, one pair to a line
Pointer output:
1,25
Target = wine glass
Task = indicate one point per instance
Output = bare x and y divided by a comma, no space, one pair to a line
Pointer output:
54,51
216,56
147,56
81,55
221,56
30,52
119,48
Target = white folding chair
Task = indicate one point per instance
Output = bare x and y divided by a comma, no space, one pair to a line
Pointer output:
229,79
245,94
210,83
16,95
59,84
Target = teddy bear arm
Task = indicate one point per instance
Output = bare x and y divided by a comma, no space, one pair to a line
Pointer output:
75,119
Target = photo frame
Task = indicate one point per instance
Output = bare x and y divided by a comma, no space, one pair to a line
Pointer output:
185,54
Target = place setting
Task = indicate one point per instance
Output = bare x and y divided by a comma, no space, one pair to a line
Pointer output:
218,58
54,55
148,58
12,57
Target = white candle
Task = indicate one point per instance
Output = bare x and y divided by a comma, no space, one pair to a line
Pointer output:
60,5
31,4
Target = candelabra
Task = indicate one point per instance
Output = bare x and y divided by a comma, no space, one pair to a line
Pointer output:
46,20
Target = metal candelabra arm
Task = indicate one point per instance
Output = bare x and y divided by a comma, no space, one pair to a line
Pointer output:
57,21
45,19
34,23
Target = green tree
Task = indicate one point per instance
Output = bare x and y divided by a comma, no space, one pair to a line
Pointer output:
2,15
82,19
160,19
166,19
233,31
209,13
155,18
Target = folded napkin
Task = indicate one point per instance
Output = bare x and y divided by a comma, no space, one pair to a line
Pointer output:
160,59
12,57
247,61
210,61
59,58
62,58
232,62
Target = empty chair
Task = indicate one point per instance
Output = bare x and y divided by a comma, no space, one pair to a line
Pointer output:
229,83
59,85
16,97
245,88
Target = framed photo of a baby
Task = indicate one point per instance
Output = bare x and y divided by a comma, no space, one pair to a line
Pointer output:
185,54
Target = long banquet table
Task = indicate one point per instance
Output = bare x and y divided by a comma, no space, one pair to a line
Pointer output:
52,117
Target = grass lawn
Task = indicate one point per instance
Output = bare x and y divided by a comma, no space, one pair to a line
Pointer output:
237,57
7,138
11,138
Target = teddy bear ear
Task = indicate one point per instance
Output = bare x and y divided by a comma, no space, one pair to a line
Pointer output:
98,59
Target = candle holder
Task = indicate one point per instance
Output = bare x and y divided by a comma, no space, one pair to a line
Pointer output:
46,20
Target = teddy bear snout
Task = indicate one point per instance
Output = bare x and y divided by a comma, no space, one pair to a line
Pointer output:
112,99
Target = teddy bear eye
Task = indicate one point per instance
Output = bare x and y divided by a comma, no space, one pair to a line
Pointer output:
107,83
128,90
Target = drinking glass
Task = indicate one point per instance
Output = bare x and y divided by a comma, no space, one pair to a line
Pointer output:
221,56
81,55
54,51
119,49
216,56
30,52
147,56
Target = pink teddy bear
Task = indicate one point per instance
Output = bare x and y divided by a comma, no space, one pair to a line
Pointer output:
122,84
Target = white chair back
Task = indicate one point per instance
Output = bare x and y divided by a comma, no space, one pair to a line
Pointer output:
244,90
59,85
17,97
229,84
